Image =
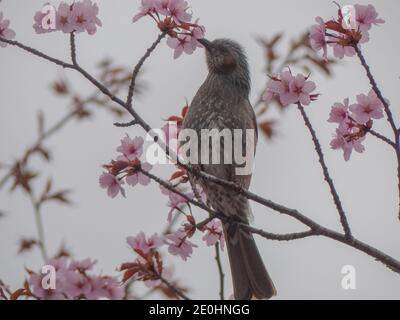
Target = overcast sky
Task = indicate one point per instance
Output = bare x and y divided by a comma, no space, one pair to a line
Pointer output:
287,170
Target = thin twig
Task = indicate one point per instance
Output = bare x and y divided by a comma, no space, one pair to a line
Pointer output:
73,48
138,66
39,227
126,124
376,89
220,272
388,111
382,137
174,289
328,179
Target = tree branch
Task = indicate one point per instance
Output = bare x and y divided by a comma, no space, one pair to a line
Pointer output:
328,179
138,66
387,110
220,272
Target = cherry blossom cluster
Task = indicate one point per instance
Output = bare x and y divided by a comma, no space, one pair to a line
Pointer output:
126,168
345,32
5,31
73,281
80,16
148,267
354,121
290,89
173,17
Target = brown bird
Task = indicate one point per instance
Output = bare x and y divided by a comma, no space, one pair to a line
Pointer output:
221,103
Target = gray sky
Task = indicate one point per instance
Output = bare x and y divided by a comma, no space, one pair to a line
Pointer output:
287,170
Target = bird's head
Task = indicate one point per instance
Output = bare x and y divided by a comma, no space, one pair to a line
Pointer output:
224,56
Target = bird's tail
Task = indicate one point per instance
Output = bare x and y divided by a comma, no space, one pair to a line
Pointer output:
249,275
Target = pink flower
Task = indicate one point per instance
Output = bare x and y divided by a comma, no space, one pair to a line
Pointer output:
35,282
139,177
130,148
84,16
112,184
196,34
340,141
39,21
339,112
112,288
214,233
183,43
281,88
78,285
148,6
175,201
178,11
340,51
84,265
64,18
5,31
145,245
366,16
317,37
179,245
302,89
368,108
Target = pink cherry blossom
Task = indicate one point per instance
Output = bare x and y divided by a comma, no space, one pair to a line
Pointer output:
84,265
340,141
339,112
148,6
367,108
340,51
178,11
73,282
64,18
318,38
77,285
5,31
112,184
139,177
302,89
35,282
182,43
175,200
281,88
84,16
179,245
112,288
39,21
214,233
130,148
145,245
366,16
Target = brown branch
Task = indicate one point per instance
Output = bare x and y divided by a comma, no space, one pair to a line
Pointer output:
388,111
220,272
174,289
382,137
39,227
138,66
376,89
328,179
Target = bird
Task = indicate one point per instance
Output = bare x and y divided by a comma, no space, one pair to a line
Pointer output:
222,102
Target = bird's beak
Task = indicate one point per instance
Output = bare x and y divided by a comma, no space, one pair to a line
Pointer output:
207,44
